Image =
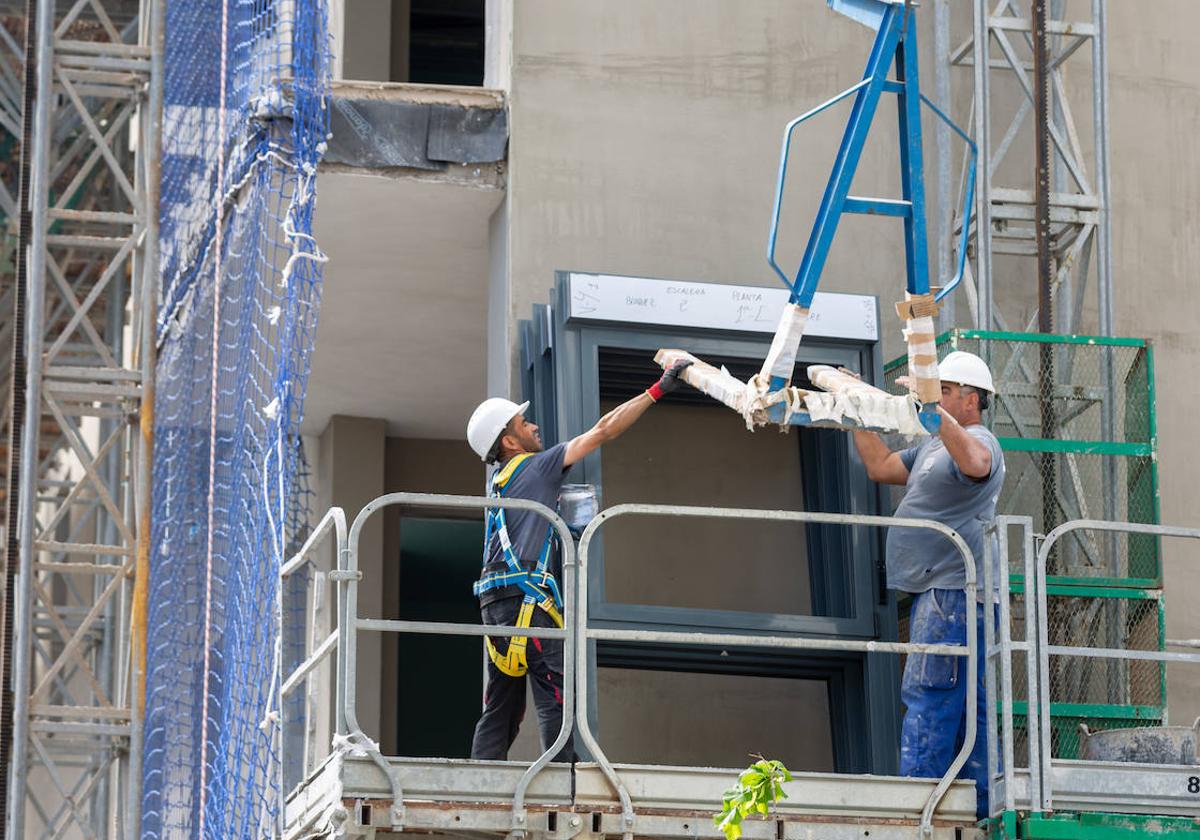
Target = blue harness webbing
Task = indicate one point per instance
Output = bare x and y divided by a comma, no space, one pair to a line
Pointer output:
539,587
536,585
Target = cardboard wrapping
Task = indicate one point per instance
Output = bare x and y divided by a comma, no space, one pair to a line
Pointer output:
917,306
920,334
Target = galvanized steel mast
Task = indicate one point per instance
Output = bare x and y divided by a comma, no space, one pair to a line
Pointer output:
1000,52
1072,195
83,471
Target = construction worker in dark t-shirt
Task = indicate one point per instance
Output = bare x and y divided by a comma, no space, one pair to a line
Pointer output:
519,584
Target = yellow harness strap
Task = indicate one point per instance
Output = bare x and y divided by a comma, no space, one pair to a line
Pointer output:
514,662
506,472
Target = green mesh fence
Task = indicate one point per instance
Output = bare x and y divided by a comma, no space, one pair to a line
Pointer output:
1075,416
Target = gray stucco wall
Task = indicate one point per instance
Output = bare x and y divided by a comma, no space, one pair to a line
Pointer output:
1155,102
645,139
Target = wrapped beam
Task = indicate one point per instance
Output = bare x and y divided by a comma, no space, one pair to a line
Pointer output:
848,402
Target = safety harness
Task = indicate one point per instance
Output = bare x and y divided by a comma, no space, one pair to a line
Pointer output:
539,586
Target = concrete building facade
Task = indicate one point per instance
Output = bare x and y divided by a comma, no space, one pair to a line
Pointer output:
643,140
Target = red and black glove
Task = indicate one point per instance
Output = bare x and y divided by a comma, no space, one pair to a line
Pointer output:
669,382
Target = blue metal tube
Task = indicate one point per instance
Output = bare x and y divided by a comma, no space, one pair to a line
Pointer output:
883,52
782,177
912,163
968,199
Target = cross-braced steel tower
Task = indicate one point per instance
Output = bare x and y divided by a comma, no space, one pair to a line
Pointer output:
1019,53
1042,232
81,101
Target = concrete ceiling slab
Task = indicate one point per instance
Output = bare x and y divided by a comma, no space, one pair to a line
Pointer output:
402,329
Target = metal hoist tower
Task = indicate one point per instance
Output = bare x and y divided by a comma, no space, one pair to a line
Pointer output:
1075,405
1042,211
1020,53
80,103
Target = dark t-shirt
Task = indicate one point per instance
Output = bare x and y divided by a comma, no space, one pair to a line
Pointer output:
539,480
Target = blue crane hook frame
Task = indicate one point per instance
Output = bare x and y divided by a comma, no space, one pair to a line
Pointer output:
896,42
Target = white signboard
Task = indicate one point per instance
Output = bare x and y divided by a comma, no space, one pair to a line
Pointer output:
714,306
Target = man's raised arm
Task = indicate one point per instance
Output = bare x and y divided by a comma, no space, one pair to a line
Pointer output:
883,465
612,425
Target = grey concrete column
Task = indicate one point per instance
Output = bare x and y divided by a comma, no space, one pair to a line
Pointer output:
367,40
401,39
351,473
501,351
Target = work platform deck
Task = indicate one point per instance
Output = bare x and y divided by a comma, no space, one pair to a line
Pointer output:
351,796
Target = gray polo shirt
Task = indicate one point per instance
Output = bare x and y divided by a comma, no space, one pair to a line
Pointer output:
917,559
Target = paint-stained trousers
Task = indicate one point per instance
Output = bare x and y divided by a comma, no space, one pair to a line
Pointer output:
504,696
934,692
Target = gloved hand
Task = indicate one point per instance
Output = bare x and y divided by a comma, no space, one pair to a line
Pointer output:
669,381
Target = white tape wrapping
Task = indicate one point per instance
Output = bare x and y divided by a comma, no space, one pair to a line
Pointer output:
749,399
850,399
781,358
719,384
922,347
356,744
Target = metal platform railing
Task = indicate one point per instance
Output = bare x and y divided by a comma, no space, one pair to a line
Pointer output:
584,634
352,623
1083,784
348,739
1015,783
314,654
1027,773
1105,646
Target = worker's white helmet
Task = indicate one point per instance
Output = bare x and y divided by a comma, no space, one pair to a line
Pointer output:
488,421
965,368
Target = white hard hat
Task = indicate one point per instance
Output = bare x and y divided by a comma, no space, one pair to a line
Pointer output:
966,368
488,421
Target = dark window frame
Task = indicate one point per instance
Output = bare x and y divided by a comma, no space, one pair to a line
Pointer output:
560,375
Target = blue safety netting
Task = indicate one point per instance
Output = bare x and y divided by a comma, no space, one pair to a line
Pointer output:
261,171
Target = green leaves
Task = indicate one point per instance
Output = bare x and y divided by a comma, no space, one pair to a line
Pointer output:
758,786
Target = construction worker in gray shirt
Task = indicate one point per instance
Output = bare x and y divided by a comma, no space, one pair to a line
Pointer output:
953,478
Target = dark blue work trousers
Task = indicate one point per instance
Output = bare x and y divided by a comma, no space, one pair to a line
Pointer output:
934,692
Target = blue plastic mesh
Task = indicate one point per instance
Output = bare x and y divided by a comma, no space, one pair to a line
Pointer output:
276,85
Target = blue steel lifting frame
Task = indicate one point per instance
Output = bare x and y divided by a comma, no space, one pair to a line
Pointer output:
896,42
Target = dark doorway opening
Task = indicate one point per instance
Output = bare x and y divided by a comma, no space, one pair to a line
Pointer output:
446,40
438,692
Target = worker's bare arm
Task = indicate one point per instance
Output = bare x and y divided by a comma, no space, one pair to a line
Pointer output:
609,427
883,465
971,455
614,424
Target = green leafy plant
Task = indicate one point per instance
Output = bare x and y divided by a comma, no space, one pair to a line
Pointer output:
758,787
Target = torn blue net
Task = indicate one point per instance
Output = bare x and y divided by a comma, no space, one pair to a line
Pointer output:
276,85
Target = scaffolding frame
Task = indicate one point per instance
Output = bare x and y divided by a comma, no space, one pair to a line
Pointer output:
1002,39
1053,214
83,473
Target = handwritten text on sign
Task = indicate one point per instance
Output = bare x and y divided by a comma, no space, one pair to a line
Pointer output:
642,300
